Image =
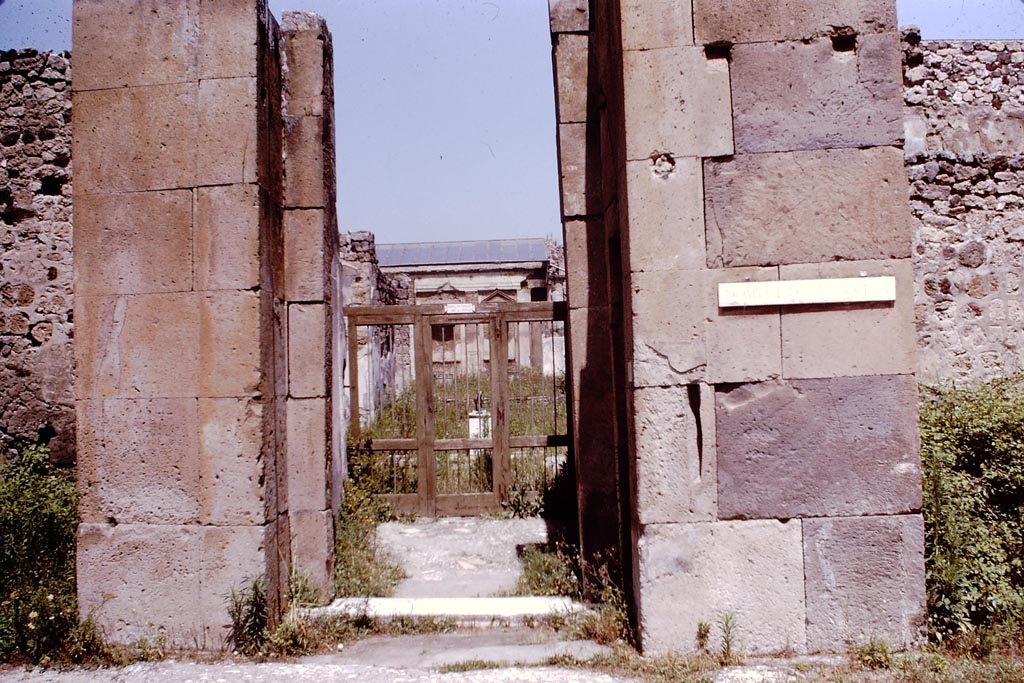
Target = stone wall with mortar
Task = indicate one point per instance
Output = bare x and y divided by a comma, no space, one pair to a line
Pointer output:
964,123
36,355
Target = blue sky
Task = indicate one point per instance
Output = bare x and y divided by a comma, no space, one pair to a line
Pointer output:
445,108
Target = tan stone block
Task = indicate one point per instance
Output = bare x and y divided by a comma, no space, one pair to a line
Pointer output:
806,207
743,345
691,573
130,139
307,338
675,454
569,15
777,108
649,24
572,167
141,461
736,21
228,38
853,339
120,43
669,319
231,461
228,137
571,70
135,243
307,455
586,272
304,78
304,254
230,558
229,352
143,346
227,237
304,164
666,214
312,540
138,578
677,102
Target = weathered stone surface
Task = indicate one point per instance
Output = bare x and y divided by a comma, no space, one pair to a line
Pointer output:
164,565
677,102
228,134
307,335
843,446
691,573
304,169
307,455
130,139
304,54
230,556
138,461
838,341
569,15
227,237
853,99
735,21
571,77
229,338
572,167
586,270
666,213
137,346
230,462
675,454
227,38
806,207
134,243
649,24
312,539
154,42
865,579
304,254
743,345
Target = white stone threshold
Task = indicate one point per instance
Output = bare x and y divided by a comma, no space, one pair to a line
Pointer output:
462,610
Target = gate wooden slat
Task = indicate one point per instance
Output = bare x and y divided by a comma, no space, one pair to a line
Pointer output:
426,483
502,467
353,378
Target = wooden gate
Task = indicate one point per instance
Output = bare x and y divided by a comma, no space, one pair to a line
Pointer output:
458,409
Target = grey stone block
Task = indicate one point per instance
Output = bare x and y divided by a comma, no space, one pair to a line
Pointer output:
741,21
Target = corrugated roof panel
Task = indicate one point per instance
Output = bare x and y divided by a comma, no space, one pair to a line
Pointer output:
477,251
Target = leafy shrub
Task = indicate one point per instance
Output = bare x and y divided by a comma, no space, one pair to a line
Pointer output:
550,570
247,608
973,479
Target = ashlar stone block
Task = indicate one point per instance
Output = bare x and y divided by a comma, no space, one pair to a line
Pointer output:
806,207
307,338
304,54
228,133
691,573
227,237
231,461
304,254
312,540
675,454
854,339
649,24
307,455
677,102
229,556
798,96
745,344
134,243
572,167
666,211
571,70
818,448
736,21
304,167
569,15
865,579
586,272
229,338
228,38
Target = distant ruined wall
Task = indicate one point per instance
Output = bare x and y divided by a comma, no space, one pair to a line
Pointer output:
36,356
964,124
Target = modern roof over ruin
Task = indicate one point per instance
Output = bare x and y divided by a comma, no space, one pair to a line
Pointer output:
475,251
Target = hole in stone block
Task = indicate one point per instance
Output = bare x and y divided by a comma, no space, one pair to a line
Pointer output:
718,50
844,39
693,394
52,185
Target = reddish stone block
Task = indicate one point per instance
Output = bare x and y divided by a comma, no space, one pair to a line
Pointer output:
231,462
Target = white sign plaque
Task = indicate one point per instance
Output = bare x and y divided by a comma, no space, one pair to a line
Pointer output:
460,308
847,290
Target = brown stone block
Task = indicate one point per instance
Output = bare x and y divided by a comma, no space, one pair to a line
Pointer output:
691,573
143,346
806,207
307,455
304,268
777,107
228,131
666,214
853,339
304,164
230,558
571,70
304,78
736,21
139,461
569,15
227,38
135,243
131,139
586,272
818,448
137,578
675,454
231,462
307,338
677,102
865,580
229,351
572,167
312,539
120,43
227,237
650,24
